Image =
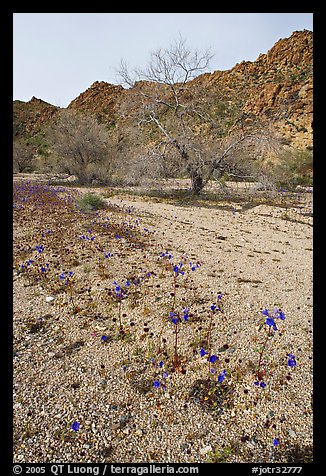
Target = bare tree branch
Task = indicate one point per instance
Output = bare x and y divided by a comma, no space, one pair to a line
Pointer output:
179,114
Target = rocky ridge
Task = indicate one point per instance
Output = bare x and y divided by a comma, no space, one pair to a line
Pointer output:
277,86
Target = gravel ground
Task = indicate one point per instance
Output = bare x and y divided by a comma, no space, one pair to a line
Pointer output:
83,354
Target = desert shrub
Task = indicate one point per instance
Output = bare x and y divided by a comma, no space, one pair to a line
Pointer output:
23,156
90,201
294,168
81,146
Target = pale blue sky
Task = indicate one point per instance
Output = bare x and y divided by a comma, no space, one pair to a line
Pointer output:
57,56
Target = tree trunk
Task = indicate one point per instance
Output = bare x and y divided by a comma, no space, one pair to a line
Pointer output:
197,184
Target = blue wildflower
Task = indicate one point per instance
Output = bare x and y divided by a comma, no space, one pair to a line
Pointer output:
279,314
265,312
168,254
165,375
212,359
291,361
157,384
161,363
219,296
276,442
177,269
174,320
185,314
213,307
202,353
104,338
262,384
194,266
221,376
270,322
75,426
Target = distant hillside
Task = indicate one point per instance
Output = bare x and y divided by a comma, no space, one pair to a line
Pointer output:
30,117
278,86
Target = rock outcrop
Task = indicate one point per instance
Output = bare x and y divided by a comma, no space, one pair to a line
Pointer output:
30,117
278,86
100,99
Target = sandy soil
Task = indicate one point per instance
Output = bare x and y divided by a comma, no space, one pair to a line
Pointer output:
257,256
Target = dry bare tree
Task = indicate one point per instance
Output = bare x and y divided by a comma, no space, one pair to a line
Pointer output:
23,154
81,145
163,95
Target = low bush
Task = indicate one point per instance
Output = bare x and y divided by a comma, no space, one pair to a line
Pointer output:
90,201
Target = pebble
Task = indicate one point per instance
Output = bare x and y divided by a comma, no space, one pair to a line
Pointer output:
205,450
292,433
49,299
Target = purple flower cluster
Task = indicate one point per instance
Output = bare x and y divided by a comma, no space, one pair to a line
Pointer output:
177,269
29,262
119,292
88,237
44,268
270,318
167,254
160,382
194,266
212,359
64,276
260,384
174,316
215,307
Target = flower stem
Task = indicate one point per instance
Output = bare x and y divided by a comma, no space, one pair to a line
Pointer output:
175,356
262,352
119,313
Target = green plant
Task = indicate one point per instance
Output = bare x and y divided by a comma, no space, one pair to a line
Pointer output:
90,201
295,168
219,455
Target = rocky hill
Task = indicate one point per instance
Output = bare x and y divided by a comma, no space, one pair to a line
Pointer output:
29,118
101,99
278,86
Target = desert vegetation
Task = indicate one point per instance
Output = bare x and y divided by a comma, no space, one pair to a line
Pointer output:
162,280
168,124
141,331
